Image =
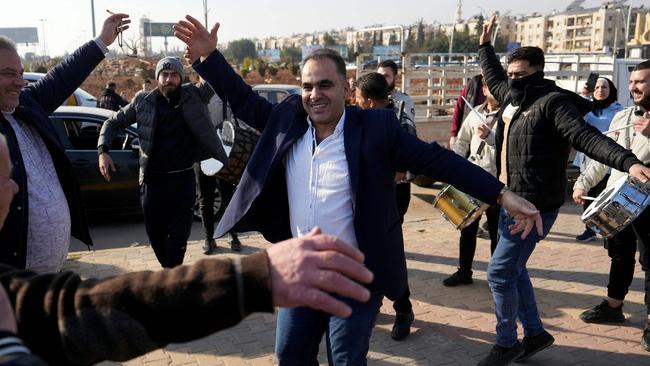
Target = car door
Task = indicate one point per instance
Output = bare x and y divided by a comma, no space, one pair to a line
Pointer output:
80,134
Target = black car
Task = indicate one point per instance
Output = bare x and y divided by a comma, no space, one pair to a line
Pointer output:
78,128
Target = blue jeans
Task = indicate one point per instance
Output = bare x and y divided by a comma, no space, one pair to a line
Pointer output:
508,278
300,330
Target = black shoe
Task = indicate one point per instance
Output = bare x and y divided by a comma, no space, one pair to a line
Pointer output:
645,338
458,278
402,326
501,356
587,235
208,245
235,244
603,313
532,345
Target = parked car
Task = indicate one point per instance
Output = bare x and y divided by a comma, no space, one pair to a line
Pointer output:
79,98
78,128
275,93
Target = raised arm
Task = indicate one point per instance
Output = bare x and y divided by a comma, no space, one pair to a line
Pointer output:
212,66
493,73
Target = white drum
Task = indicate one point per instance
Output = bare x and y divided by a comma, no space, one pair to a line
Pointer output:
617,206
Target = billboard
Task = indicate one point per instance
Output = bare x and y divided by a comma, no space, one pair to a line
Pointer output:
341,49
269,55
158,29
21,35
386,52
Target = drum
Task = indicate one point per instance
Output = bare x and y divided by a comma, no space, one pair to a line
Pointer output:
617,206
459,208
238,142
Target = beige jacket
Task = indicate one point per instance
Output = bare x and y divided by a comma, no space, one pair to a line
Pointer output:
638,144
468,142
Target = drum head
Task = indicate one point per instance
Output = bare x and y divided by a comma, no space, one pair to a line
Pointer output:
603,198
211,166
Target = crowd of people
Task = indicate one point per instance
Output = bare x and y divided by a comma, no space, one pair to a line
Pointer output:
328,182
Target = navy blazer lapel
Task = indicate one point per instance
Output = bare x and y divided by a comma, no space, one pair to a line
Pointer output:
295,131
352,133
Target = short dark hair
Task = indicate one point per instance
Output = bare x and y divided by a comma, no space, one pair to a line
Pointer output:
326,53
389,63
111,85
373,86
534,56
147,81
642,66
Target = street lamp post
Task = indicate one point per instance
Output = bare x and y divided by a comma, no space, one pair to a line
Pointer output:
92,15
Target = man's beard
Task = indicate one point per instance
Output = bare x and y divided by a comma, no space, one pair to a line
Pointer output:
168,90
645,101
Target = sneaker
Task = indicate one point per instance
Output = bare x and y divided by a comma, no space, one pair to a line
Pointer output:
532,345
458,278
645,339
501,356
402,326
587,235
208,245
482,233
235,244
603,313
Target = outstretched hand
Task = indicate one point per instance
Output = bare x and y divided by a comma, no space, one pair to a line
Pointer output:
200,42
113,25
307,270
525,214
486,36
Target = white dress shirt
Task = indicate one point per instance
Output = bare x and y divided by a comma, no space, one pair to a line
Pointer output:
318,185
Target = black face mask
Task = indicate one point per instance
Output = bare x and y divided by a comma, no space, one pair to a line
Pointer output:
517,86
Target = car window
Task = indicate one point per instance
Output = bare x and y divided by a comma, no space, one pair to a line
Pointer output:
268,95
82,134
281,95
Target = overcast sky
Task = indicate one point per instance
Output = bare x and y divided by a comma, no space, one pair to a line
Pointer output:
67,23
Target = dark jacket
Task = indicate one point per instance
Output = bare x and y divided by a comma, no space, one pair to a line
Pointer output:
142,110
37,101
110,100
375,148
70,321
547,124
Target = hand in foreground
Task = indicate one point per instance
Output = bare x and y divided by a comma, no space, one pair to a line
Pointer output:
642,125
106,166
200,42
305,270
577,196
640,172
113,25
525,214
486,36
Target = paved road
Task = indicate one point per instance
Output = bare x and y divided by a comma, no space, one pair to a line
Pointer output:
453,326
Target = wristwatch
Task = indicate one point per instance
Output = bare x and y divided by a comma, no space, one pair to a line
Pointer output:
501,193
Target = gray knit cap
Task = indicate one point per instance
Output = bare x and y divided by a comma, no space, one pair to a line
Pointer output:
170,63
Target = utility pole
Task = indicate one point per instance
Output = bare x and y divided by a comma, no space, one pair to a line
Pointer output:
205,14
43,34
92,15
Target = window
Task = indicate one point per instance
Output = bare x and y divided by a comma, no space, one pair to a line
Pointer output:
81,134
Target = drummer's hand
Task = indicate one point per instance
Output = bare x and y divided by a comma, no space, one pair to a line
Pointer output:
642,125
483,131
106,166
578,194
640,172
525,214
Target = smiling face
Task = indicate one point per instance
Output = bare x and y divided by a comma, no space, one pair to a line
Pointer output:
11,79
640,87
323,91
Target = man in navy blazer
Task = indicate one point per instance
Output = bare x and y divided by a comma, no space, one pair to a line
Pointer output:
318,163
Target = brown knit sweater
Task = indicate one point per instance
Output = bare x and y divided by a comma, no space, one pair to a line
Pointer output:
70,321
